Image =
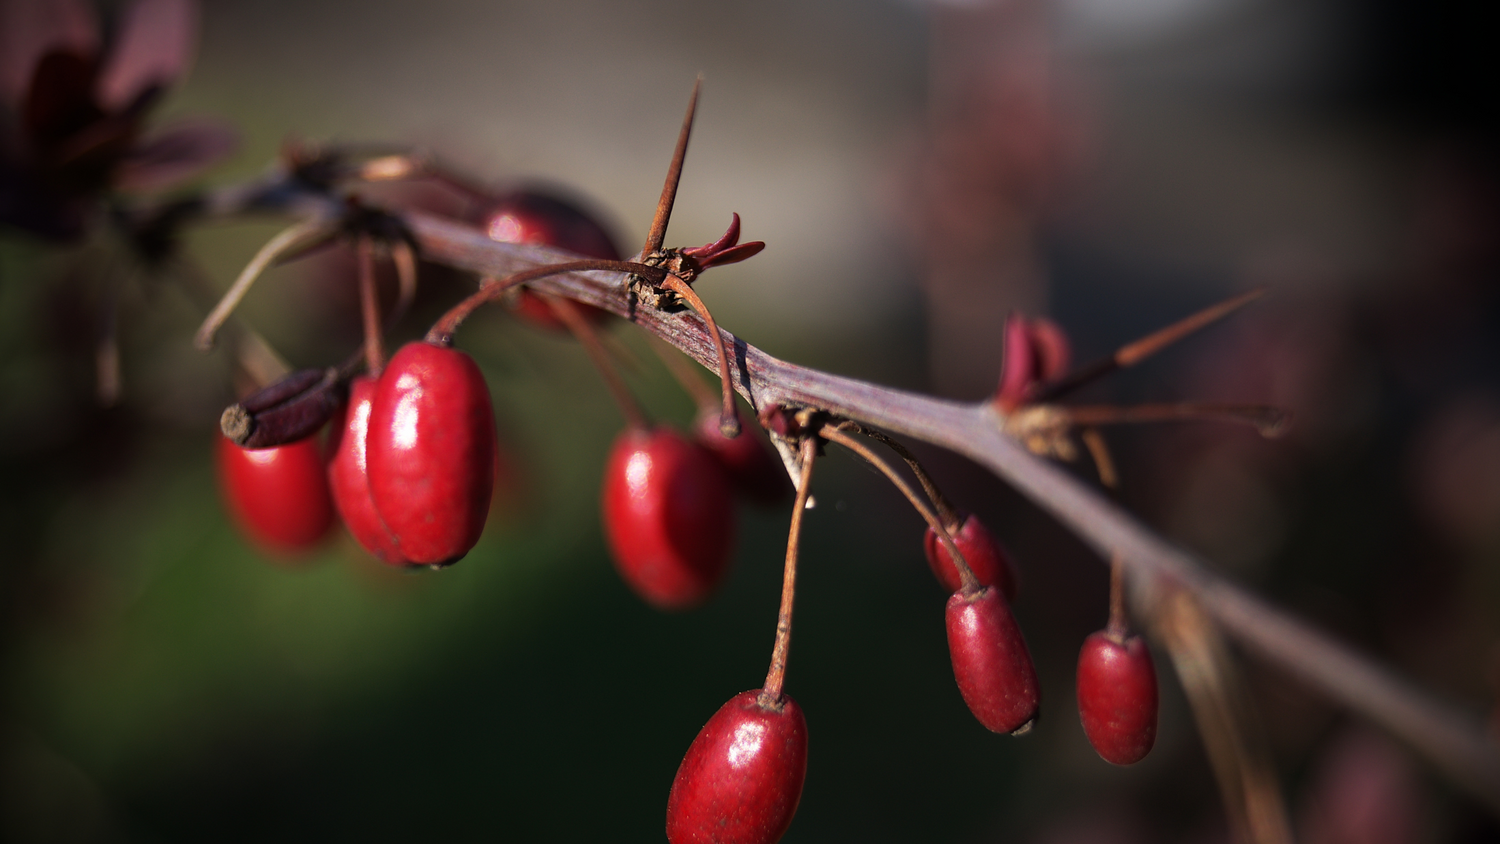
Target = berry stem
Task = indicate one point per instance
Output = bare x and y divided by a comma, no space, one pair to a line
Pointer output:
284,240
405,259
442,331
685,373
970,583
729,421
1118,627
1133,353
589,339
770,694
944,508
658,233
1268,421
370,309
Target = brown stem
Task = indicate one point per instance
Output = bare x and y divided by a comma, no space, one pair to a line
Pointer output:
284,240
1133,353
1227,721
1104,464
442,331
945,511
1268,421
406,281
369,307
589,339
729,421
969,583
1451,739
770,693
658,234
686,375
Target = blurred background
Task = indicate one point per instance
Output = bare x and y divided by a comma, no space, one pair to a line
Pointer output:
918,170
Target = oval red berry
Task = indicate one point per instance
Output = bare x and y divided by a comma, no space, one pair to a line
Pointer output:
989,562
430,452
741,779
752,469
277,496
668,516
1117,699
990,661
349,480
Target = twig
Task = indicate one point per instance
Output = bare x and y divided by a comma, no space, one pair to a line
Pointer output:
1452,740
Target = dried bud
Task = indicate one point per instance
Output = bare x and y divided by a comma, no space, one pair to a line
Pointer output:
289,410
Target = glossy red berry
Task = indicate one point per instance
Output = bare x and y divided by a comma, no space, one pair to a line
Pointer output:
668,516
534,217
349,480
430,452
1117,697
989,562
277,496
752,469
990,661
741,779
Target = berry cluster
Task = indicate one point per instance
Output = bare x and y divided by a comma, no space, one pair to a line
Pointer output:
412,460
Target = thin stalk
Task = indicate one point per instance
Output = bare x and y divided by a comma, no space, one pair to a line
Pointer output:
658,233
1118,627
442,331
969,583
770,693
284,240
1104,464
589,339
686,375
405,260
729,420
945,511
369,307
1268,421
1133,353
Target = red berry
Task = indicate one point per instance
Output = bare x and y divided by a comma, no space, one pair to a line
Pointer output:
989,562
278,496
747,461
669,517
990,661
349,480
430,452
741,779
532,217
1117,697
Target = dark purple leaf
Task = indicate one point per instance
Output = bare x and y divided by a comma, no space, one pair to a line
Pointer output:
155,45
60,101
175,154
30,29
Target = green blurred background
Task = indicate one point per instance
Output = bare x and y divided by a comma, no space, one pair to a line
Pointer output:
917,170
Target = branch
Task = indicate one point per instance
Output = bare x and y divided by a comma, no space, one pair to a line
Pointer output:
1451,739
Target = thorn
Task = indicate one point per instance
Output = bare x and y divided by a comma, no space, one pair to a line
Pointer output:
658,233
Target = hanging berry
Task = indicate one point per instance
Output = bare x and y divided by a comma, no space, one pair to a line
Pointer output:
741,779
1117,699
349,479
991,565
990,661
668,516
277,496
430,452
532,216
